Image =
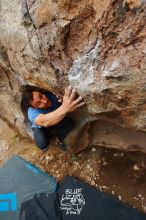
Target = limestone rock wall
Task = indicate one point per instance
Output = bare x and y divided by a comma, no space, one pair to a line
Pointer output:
98,47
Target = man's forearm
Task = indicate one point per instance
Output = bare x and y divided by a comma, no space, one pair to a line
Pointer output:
69,104
51,118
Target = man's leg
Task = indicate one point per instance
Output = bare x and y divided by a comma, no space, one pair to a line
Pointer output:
63,128
41,137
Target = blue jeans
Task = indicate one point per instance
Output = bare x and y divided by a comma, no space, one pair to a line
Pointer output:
42,135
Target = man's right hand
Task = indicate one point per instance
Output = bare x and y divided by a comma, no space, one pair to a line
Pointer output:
70,103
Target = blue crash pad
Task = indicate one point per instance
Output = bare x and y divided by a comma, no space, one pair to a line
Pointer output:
21,181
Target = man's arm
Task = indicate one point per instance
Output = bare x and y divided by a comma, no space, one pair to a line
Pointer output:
69,104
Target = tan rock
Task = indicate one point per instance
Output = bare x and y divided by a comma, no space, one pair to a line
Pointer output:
98,47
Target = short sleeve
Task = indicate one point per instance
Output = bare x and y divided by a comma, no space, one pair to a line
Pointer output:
32,114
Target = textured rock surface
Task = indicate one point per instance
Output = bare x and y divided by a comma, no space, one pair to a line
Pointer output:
98,47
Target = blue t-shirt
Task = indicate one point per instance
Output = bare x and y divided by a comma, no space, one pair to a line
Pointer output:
34,112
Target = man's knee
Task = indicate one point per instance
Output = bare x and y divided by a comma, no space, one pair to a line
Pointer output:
41,138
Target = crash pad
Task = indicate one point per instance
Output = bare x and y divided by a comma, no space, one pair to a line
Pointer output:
76,200
21,181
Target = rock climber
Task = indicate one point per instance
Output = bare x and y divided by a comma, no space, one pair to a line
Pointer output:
47,113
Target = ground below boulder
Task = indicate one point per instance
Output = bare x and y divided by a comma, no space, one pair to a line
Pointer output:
120,173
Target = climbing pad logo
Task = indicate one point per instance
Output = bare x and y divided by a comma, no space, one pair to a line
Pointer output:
72,201
8,202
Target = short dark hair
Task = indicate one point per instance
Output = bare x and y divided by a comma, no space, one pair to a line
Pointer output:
27,96
25,101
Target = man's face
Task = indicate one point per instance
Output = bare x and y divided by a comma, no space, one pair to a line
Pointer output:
40,101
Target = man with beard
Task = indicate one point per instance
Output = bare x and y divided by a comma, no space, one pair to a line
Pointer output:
47,114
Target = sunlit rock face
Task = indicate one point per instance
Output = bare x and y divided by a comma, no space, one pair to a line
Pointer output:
98,47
